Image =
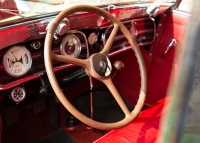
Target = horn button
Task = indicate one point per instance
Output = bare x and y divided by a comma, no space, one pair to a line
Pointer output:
101,64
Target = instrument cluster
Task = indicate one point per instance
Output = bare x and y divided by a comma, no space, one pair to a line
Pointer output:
25,61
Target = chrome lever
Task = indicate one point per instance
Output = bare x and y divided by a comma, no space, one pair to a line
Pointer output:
172,43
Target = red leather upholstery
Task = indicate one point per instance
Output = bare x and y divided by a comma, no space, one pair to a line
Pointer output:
144,129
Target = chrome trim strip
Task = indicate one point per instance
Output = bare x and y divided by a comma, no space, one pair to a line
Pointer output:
25,23
136,5
31,77
145,43
154,29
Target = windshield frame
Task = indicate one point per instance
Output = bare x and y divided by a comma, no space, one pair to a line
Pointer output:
21,17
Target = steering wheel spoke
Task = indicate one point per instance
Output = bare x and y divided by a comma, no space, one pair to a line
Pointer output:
110,40
108,82
70,60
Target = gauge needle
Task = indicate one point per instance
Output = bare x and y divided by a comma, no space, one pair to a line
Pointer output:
69,51
20,60
15,59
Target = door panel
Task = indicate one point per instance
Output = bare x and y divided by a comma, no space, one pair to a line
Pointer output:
165,59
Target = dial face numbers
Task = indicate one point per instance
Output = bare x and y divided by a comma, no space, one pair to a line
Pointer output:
17,61
70,46
92,39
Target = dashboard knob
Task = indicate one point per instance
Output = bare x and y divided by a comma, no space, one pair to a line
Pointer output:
119,65
18,94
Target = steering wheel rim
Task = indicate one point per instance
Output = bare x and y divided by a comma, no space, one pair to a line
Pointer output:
88,65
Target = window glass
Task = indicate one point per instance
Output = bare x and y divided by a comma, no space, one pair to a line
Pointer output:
186,5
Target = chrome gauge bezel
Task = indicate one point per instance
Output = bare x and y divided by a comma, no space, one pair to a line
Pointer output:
93,38
76,43
23,50
18,94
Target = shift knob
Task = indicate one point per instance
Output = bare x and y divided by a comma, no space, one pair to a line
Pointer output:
119,65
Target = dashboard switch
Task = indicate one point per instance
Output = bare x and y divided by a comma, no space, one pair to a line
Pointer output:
36,45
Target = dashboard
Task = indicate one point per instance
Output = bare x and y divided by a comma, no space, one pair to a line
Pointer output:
78,35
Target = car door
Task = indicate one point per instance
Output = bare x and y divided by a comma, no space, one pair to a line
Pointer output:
166,52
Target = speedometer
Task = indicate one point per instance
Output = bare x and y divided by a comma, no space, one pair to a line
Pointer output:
17,61
70,46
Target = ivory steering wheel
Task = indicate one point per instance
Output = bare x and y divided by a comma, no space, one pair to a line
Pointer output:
97,66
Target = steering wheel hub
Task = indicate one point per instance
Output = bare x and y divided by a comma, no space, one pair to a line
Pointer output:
101,64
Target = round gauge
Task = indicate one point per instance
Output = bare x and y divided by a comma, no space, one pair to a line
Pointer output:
17,61
70,46
92,39
18,94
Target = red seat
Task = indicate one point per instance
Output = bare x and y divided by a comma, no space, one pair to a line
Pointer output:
144,129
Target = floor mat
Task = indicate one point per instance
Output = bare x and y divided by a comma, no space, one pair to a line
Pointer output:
58,137
106,109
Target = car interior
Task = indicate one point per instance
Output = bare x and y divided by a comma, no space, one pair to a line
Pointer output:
90,73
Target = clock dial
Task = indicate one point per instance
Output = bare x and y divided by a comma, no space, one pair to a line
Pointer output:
17,61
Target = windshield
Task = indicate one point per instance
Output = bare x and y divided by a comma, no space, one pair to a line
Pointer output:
15,9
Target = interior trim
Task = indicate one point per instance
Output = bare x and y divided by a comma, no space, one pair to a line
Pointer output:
31,77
